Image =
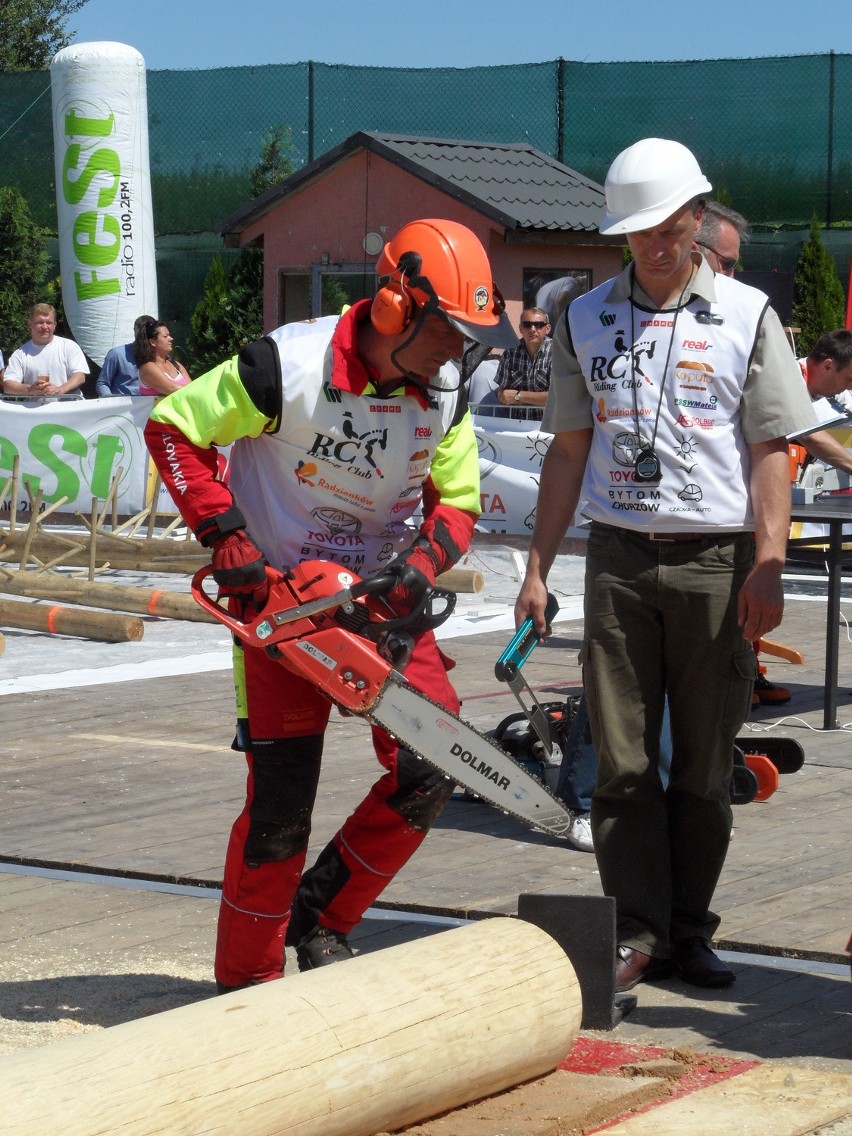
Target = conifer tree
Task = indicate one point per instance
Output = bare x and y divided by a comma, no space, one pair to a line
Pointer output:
819,304
24,260
231,312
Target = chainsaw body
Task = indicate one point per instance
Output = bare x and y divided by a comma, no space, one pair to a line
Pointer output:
330,627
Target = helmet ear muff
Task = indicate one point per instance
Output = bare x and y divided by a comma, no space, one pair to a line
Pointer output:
392,308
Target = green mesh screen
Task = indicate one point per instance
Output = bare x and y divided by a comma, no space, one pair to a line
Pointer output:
773,135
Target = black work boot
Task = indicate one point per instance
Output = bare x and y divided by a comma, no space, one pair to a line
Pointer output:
321,947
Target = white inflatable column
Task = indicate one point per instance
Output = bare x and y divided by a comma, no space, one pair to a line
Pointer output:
103,192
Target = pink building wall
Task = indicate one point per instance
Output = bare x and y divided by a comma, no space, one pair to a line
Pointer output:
330,216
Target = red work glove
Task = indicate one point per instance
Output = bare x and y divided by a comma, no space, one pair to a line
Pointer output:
416,572
239,567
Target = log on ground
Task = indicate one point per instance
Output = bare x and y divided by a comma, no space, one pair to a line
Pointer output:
113,597
360,1047
104,626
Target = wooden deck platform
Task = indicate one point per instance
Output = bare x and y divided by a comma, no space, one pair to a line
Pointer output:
137,779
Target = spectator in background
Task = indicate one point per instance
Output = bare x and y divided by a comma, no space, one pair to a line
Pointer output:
719,239
47,365
2,370
827,371
119,373
523,374
555,296
158,372
722,232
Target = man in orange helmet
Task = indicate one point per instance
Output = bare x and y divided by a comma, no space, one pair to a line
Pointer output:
342,429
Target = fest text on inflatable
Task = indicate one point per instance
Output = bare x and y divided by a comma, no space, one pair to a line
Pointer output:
103,192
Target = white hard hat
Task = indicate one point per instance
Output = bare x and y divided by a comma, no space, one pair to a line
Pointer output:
648,182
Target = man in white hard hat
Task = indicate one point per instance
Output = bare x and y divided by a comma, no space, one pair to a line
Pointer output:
672,392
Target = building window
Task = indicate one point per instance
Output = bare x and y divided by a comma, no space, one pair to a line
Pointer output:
335,286
536,278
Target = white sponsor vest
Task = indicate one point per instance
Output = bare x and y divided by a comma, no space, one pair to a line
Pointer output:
704,458
343,473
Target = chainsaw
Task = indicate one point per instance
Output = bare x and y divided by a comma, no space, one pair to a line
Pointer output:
334,629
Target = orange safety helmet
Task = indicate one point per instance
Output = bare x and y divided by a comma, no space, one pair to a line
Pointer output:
440,266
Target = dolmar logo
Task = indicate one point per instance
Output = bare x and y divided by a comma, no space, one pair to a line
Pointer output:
607,318
304,471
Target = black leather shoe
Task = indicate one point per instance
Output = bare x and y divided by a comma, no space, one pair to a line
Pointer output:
633,967
697,964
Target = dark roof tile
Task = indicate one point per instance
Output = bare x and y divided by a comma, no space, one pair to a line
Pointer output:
515,184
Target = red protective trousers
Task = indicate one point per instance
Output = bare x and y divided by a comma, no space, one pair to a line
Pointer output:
263,881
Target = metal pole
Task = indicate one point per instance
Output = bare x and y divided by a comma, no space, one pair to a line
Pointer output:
560,109
310,111
829,196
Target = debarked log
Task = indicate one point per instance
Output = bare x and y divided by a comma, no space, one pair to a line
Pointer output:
364,1046
105,626
74,551
113,597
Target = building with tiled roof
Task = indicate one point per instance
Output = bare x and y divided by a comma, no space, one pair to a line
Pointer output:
536,218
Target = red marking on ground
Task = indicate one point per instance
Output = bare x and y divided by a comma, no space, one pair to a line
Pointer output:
607,1058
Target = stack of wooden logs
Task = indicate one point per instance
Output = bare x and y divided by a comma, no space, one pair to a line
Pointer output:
31,554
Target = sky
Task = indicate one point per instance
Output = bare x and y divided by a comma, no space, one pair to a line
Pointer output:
200,34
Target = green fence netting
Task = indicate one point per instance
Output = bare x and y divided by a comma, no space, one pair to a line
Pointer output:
775,133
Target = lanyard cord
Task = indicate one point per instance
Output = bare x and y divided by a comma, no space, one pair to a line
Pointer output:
665,365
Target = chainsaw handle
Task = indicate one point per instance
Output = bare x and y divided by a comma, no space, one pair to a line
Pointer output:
215,608
422,616
523,643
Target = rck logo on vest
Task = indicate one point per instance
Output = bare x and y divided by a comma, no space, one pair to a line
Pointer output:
607,318
355,449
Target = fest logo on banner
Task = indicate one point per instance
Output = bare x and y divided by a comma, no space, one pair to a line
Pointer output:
75,450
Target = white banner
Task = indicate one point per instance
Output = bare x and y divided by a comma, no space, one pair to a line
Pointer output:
103,192
74,449
510,457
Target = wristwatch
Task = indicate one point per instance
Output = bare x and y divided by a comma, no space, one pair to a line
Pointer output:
517,396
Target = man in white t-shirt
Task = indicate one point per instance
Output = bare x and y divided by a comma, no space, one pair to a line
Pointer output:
47,365
827,371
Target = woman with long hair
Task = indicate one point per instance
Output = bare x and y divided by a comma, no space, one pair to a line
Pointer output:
159,373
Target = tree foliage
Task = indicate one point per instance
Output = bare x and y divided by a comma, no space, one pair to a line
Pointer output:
277,160
32,31
230,314
819,304
24,260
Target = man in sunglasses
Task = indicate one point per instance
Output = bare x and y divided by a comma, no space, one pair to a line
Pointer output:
523,374
720,235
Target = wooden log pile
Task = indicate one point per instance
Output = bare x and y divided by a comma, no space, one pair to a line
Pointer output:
38,551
